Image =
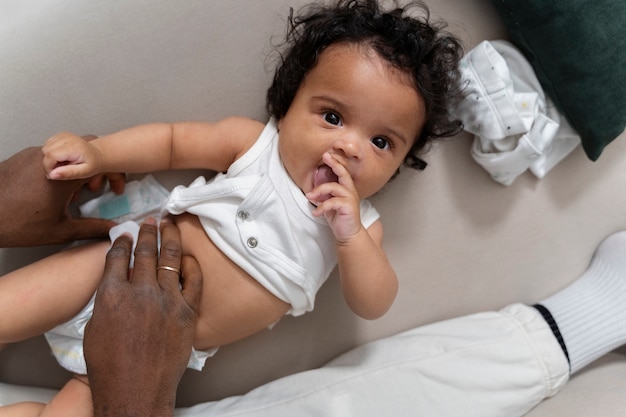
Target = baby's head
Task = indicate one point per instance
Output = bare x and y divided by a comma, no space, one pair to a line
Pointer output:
407,41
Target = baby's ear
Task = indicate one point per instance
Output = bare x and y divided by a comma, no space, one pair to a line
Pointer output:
415,162
279,123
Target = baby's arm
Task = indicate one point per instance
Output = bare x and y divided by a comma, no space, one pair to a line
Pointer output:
368,281
151,147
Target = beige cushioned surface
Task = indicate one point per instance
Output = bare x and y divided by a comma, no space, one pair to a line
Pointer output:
460,242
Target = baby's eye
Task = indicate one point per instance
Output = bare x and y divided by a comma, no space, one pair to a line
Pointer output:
332,118
381,143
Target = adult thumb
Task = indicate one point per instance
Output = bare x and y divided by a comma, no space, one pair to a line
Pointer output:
88,228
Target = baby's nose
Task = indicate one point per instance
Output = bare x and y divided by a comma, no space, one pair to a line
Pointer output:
350,145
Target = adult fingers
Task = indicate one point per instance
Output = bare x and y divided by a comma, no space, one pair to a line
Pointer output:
117,261
146,253
88,228
117,182
168,270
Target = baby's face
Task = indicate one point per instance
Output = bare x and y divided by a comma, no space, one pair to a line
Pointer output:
356,107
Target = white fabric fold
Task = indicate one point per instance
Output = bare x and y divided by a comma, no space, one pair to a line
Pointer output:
516,127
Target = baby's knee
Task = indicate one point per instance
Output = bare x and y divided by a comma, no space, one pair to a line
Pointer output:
74,399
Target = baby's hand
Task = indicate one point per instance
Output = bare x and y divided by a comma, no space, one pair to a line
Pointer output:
341,203
67,156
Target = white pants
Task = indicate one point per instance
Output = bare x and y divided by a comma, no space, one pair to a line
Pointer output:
488,364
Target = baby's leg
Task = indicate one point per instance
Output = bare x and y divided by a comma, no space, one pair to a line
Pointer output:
25,409
38,297
74,400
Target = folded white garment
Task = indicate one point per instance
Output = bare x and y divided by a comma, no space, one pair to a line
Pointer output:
516,127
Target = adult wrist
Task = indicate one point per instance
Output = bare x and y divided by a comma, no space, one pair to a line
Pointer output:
134,407
109,402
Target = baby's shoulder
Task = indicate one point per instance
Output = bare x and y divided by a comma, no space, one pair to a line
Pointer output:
242,132
243,127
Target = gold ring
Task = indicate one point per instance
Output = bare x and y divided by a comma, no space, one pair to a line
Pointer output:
170,268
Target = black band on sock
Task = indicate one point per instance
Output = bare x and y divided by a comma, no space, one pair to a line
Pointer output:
553,326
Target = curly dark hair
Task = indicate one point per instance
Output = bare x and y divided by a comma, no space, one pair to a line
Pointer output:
410,43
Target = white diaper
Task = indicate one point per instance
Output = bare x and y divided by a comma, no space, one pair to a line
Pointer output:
66,340
141,199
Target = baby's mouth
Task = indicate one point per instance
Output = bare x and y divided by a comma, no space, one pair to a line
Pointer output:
324,174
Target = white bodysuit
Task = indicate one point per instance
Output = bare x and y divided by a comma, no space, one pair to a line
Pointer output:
261,220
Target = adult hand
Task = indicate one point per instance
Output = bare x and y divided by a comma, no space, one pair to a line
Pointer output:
138,341
34,210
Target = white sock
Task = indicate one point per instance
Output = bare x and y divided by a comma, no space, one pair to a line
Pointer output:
591,312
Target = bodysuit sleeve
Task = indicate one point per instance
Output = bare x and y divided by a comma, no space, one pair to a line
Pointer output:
369,214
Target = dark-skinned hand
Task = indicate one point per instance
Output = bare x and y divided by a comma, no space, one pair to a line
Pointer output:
138,341
34,209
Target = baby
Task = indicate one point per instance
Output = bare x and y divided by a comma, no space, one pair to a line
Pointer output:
360,91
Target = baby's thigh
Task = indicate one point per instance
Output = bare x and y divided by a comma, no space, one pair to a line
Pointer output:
42,295
24,409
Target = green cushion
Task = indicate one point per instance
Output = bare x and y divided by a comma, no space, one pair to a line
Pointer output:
578,51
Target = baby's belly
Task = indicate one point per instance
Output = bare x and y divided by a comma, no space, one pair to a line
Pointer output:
233,305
